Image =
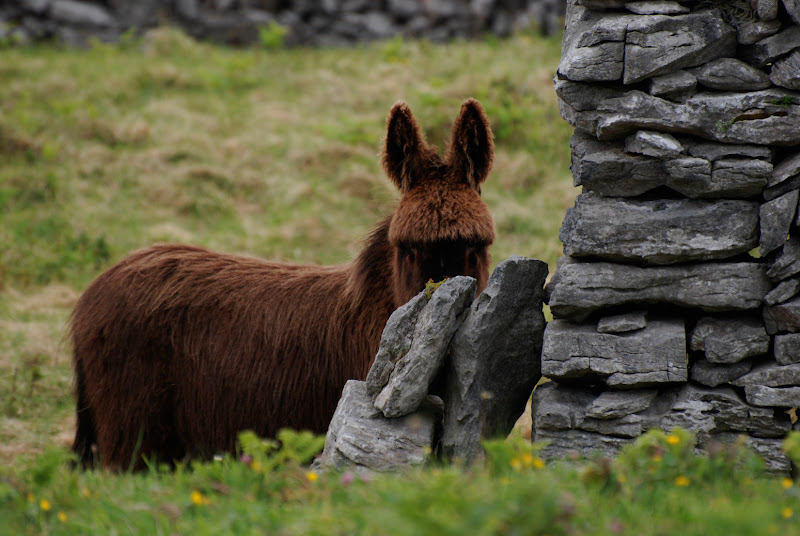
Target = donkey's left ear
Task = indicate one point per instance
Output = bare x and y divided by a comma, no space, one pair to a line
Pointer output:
471,151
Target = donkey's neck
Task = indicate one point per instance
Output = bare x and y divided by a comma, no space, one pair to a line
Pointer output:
370,282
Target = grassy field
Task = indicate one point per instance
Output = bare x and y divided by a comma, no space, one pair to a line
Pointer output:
274,153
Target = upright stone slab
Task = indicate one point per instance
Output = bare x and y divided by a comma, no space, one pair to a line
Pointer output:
494,358
413,373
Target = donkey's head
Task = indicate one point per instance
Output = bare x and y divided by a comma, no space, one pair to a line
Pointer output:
441,228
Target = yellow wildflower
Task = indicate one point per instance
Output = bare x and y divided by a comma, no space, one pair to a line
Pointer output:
786,513
86,492
787,483
682,481
199,499
657,458
44,504
538,463
673,439
527,459
62,517
311,476
516,464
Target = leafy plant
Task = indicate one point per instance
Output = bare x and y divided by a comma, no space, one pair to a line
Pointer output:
272,36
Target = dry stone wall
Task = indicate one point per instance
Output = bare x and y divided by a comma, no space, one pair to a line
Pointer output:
677,302
308,22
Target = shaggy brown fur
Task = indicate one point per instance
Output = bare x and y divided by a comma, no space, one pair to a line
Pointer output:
177,349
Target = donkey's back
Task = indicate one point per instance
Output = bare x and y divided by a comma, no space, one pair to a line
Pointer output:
173,336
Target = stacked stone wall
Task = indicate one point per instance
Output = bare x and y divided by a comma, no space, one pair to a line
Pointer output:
676,303
308,22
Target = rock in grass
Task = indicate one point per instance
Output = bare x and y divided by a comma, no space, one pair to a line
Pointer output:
359,435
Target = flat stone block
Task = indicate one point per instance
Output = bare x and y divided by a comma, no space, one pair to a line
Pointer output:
652,355
656,8
658,44
622,323
793,9
652,143
781,397
675,84
786,72
579,288
617,404
729,340
561,414
605,168
730,74
783,317
787,262
758,117
772,48
711,374
725,151
783,292
659,232
750,32
771,375
776,218
787,349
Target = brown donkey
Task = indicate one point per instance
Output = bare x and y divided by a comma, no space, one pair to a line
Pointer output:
177,349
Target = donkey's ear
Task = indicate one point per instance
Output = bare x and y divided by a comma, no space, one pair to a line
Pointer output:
404,153
471,151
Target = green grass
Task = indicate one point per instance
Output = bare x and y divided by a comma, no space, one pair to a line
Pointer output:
267,152
274,153
657,486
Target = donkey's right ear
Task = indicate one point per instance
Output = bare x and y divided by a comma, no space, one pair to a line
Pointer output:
403,154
